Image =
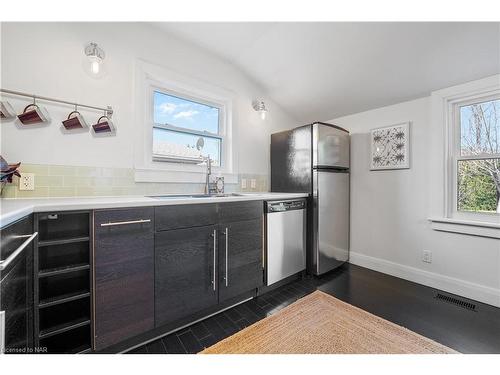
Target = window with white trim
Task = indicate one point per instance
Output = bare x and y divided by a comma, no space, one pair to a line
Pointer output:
475,154
186,129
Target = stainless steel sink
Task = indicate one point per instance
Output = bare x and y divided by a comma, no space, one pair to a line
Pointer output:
184,196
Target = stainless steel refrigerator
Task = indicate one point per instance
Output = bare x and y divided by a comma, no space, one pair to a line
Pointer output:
315,159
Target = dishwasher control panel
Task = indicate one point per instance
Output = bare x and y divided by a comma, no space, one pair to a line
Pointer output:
286,205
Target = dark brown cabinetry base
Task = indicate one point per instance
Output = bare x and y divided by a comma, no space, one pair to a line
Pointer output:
16,287
215,260
62,282
124,274
105,279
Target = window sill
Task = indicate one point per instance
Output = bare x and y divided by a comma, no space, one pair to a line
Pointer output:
178,176
469,227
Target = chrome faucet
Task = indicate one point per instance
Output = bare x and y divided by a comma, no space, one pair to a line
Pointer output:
208,161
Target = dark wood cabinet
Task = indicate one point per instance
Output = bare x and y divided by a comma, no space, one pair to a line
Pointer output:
185,275
62,282
240,257
92,280
186,280
124,274
156,274
16,293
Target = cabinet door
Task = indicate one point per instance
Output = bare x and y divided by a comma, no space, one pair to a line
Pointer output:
184,272
240,258
16,293
124,269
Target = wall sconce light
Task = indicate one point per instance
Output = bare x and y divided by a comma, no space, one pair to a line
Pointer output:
260,106
95,55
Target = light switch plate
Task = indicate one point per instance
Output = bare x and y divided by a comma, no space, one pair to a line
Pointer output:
27,181
243,183
253,183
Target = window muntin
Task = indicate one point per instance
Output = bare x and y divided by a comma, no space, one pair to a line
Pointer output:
478,157
186,130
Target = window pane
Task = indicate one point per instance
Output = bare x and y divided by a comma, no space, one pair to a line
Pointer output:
480,128
479,185
184,146
183,113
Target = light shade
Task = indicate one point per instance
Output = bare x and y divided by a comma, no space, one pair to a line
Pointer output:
260,106
95,55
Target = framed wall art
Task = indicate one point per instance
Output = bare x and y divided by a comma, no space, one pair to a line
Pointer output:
390,147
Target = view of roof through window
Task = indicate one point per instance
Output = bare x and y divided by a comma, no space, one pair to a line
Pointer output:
185,129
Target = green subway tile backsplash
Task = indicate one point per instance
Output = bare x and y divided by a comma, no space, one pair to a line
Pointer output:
72,181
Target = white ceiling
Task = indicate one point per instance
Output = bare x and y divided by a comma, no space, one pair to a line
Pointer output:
319,71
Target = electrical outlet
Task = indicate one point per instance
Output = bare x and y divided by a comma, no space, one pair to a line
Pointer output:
427,256
243,183
253,183
27,181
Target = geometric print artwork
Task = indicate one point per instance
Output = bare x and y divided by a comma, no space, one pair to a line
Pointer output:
390,147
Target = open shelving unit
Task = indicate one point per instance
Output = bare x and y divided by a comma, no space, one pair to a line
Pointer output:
62,282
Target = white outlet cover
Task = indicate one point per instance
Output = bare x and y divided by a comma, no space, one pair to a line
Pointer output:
27,181
243,183
427,256
253,183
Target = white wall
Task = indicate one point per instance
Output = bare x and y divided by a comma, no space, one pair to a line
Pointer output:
389,212
48,59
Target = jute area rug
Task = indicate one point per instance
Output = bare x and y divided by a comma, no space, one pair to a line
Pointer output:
321,324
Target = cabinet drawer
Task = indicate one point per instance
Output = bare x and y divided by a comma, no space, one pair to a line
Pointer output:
124,219
240,211
185,216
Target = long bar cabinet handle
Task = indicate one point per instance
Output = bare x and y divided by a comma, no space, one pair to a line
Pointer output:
215,250
115,223
5,263
227,249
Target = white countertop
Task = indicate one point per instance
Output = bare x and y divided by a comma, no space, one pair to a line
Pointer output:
15,209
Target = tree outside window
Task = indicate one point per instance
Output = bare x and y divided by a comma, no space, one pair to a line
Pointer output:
478,165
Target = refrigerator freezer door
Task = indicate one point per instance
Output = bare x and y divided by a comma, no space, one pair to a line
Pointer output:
330,147
331,220
291,161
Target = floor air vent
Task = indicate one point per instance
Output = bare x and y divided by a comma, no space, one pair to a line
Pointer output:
456,301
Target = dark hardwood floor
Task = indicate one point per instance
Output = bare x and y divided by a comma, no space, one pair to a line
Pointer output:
405,303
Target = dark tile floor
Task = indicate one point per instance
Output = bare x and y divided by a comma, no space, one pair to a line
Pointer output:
402,302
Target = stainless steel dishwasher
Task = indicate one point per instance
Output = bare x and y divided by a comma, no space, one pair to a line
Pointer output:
285,239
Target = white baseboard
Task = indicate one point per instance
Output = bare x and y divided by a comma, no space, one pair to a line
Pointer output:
453,285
